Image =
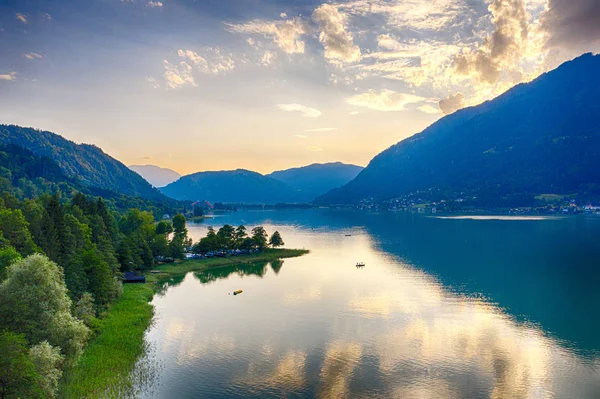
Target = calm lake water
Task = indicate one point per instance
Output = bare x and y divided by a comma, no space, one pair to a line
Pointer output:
444,308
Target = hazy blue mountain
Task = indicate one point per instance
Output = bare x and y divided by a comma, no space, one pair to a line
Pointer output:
155,175
314,180
539,137
86,162
231,186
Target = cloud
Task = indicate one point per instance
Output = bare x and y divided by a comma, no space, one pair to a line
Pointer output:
213,60
154,4
47,16
21,18
338,42
306,111
503,48
268,58
300,136
452,104
322,129
178,75
153,82
32,56
353,113
8,76
416,15
572,22
286,34
385,100
283,15
147,157
429,109
314,148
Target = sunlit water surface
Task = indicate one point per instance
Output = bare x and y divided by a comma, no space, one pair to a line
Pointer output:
444,308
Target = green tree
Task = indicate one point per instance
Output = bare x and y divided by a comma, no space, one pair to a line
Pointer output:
34,302
179,225
160,245
240,235
260,237
226,236
85,309
164,227
276,240
47,362
18,378
179,236
15,229
8,255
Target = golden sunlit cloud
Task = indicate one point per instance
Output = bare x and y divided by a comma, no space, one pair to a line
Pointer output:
21,18
336,40
285,34
8,76
306,111
384,100
32,56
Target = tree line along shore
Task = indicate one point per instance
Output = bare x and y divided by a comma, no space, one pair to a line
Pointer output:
68,326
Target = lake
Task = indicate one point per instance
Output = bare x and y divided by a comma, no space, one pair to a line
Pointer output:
444,308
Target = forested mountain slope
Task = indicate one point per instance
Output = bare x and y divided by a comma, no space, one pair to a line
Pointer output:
539,137
86,162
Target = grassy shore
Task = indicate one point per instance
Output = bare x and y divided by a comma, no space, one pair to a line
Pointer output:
110,357
171,269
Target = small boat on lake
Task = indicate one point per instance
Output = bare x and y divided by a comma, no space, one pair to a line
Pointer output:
237,292
348,235
360,264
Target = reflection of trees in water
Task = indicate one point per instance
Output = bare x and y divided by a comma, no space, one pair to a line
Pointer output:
173,281
213,274
276,265
249,269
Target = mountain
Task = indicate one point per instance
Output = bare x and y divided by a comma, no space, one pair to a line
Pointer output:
27,175
314,180
539,137
232,186
155,175
86,162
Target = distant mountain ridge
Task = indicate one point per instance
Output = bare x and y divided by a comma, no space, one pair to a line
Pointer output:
231,186
155,175
85,162
539,137
296,185
314,180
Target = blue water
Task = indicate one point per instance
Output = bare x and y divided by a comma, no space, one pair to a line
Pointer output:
443,308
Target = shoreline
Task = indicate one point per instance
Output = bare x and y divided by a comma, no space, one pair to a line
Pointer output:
109,358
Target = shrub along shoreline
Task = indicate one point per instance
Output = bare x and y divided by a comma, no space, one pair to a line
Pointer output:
110,357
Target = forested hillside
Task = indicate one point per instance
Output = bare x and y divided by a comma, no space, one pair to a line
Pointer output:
537,138
232,186
86,162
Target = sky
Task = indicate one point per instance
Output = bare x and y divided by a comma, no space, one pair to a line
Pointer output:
267,85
